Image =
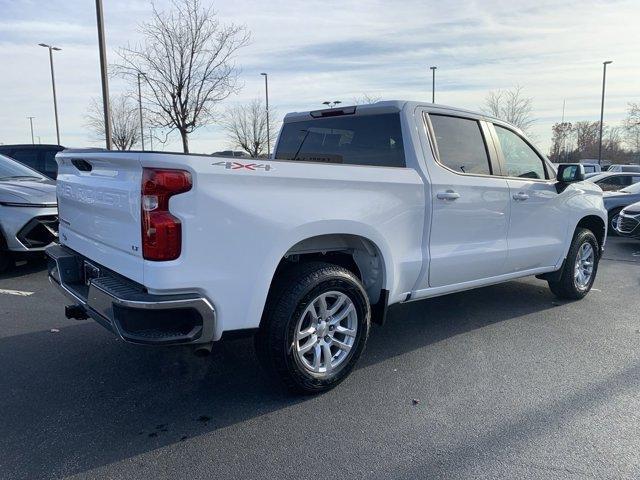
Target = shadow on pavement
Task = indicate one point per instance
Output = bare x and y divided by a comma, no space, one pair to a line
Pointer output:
79,399
23,268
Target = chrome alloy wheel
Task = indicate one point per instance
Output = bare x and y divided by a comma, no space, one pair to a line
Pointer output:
326,332
585,260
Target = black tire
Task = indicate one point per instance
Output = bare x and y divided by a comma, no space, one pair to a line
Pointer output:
613,213
567,287
293,290
6,258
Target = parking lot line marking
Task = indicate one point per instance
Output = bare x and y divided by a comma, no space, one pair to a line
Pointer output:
18,293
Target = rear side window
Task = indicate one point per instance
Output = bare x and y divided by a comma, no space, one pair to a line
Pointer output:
461,145
374,140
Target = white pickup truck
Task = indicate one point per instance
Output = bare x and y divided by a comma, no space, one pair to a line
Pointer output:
361,208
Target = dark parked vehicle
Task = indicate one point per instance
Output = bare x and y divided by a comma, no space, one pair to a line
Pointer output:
614,181
614,202
628,221
39,157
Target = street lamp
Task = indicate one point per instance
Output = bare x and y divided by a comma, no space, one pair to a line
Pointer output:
103,74
53,84
266,94
604,81
433,84
140,74
31,122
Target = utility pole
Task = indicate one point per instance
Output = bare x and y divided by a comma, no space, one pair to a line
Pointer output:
140,108
31,122
433,84
53,85
604,82
103,74
564,138
266,93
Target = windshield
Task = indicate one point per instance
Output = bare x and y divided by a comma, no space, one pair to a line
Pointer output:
12,170
635,188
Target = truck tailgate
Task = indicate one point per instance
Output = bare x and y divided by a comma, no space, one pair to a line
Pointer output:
99,208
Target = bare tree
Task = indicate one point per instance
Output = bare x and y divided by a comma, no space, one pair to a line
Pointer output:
511,106
125,121
631,127
587,136
246,127
560,141
365,99
186,59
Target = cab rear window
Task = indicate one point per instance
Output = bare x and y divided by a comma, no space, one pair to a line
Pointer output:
374,140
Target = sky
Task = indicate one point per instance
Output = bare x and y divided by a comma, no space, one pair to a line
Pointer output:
338,50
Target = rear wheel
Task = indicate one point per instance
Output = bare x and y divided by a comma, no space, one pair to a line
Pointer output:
581,266
315,326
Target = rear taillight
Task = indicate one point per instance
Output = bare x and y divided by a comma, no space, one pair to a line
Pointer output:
161,231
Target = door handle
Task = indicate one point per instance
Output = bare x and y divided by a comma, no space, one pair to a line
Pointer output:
520,196
448,195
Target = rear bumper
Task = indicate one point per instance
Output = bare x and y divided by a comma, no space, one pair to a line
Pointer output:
126,308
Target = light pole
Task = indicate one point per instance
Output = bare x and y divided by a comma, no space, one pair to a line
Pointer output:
266,94
140,108
103,74
33,142
53,84
332,104
604,81
433,84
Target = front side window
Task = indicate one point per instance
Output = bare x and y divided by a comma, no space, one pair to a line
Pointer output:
461,145
374,140
520,160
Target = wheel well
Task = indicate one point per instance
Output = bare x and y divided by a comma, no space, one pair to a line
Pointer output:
596,225
357,254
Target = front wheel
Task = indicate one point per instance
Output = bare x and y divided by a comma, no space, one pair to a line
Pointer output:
6,259
581,266
315,326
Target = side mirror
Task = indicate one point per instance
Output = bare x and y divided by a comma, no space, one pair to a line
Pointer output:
570,172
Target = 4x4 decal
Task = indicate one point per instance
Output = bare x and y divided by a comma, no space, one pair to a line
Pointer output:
244,166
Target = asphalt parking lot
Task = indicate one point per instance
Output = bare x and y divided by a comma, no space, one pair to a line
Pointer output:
500,382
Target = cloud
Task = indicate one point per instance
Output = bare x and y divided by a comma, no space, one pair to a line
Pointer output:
321,49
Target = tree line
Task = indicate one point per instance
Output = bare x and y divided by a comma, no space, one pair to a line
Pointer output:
571,142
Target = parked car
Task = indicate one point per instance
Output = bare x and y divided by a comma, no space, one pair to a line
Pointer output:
614,202
624,168
614,181
28,211
39,157
363,207
628,221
